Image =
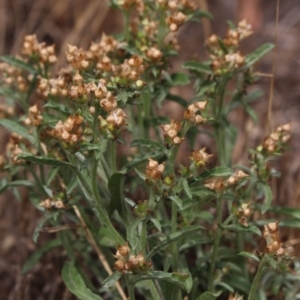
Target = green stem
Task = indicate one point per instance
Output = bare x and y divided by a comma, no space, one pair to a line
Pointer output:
144,236
113,157
126,16
215,246
173,230
257,278
100,208
154,290
130,288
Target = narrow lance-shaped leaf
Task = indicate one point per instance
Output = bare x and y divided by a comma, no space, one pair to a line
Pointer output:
177,200
132,232
208,296
255,56
44,160
17,128
265,188
249,255
116,187
75,283
176,278
174,237
199,67
112,279
215,172
18,63
37,255
146,143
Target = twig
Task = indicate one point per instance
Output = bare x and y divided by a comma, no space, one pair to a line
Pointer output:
101,256
269,123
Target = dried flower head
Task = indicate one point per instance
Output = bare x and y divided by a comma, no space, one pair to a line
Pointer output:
200,158
277,139
154,170
171,132
193,112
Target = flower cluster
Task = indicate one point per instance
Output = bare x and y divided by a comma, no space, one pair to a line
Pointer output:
193,112
130,70
34,116
50,204
171,132
13,149
222,62
33,49
113,125
243,213
70,131
77,58
277,139
219,184
13,76
6,111
154,170
200,158
271,235
236,177
126,263
235,296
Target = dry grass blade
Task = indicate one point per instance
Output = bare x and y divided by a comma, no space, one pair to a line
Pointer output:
101,256
270,104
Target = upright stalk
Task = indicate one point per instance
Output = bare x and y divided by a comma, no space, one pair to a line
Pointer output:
216,245
130,288
259,273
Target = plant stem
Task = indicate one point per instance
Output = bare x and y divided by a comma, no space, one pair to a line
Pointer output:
216,245
154,290
100,208
113,157
143,236
130,288
257,278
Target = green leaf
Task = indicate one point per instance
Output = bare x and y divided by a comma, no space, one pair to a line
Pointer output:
19,129
180,79
209,296
16,183
199,67
137,161
249,255
37,255
177,200
238,227
156,223
44,160
199,14
39,226
215,172
176,278
140,174
18,63
132,232
75,283
174,237
265,188
116,187
255,56
292,212
112,279
177,99
58,107
186,188
183,267
146,143
271,261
